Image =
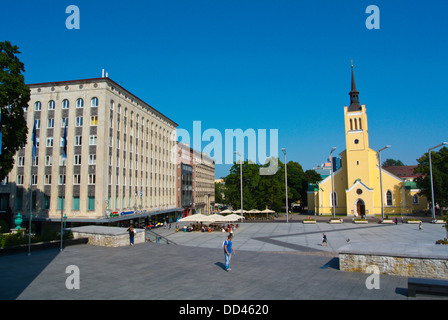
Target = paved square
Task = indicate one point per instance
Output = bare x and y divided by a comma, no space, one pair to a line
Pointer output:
273,261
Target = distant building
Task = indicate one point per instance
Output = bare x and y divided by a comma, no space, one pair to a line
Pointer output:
195,181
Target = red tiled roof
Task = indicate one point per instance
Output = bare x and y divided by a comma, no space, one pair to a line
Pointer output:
403,171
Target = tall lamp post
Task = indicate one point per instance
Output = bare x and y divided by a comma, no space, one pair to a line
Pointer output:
286,185
332,183
432,183
381,181
241,179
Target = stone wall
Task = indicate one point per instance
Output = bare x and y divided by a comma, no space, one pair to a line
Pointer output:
400,266
419,260
107,236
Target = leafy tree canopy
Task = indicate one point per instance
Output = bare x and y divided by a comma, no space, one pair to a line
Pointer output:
14,97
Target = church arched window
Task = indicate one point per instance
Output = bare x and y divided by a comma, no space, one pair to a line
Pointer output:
388,198
351,124
360,125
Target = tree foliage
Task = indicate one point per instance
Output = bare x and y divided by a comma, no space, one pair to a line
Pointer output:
14,97
440,176
261,191
392,163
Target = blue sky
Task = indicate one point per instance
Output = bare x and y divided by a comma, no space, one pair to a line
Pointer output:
259,64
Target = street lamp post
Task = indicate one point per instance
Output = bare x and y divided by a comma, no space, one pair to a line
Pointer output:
241,179
432,183
381,181
286,185
332,183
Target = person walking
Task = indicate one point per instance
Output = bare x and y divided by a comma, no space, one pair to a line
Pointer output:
324,239
228,251
420,226
131,234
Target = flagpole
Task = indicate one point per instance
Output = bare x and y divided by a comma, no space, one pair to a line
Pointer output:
64,159
33,156
31,206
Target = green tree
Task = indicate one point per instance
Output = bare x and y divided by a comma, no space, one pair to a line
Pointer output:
14,97
219,192
440,176
392,163
312,176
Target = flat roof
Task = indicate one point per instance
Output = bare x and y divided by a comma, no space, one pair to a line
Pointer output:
57,83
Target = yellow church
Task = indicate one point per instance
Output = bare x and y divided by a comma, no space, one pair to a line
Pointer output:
358,187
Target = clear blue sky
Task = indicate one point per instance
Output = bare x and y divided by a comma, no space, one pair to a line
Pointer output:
259,64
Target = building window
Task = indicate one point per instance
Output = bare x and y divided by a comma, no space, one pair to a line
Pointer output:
48,161
92,159
61,203
65,104
92,179
75,203
50,123
92,140
64,122
37,106
78,140
51,105
93,120
61,180
91,203
47,179
415,199
37,123
360,125
77,160
50,142
76,179
79,103
388,198
94,102
19,180
335,197
34,180
78,122
21,161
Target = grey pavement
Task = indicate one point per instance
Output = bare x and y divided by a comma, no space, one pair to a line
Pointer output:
273,261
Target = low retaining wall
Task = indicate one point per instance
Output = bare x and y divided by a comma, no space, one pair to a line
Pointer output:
408,260
107,236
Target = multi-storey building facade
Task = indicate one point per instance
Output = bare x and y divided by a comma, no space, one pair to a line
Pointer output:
204,192
119,152
196,181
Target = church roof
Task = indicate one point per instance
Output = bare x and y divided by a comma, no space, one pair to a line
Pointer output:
403,171
354,96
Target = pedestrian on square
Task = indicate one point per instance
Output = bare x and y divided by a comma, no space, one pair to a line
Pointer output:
131,234
420,226
324,239
228,251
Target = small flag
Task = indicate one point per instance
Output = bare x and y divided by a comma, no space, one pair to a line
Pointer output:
64,144
34,140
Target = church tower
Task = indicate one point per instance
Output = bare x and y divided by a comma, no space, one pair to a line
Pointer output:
356,139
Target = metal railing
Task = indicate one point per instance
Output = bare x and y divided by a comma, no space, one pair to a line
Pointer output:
151,236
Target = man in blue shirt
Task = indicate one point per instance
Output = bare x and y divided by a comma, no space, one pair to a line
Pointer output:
228,250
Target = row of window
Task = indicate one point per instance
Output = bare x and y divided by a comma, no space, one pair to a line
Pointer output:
61,180
49,160
357,124
65,104
64,122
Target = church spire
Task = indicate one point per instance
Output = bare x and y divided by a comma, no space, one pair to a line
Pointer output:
354,96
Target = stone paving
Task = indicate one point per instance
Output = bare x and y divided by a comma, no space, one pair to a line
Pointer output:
273,261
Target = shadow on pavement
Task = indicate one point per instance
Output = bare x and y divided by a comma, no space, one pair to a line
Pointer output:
17,271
